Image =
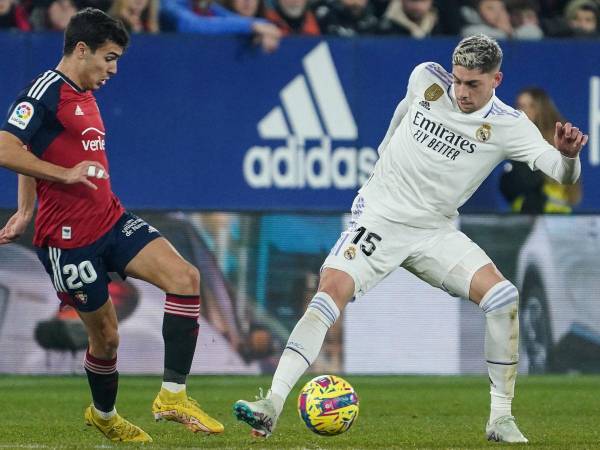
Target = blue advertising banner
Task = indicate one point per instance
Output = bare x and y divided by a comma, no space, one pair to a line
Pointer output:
214,124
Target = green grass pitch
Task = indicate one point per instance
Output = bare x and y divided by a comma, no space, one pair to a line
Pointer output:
558,412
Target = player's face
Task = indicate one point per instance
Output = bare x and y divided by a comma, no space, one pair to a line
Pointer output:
100,65
473,88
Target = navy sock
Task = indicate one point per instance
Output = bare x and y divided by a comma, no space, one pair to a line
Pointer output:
180,333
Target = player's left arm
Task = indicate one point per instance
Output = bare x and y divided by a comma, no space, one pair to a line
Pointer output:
563,165
569,140
17,224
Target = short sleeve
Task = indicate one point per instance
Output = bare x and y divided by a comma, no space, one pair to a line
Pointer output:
25,117
413,82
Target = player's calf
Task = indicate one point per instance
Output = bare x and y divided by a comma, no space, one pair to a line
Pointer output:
103,379
500,305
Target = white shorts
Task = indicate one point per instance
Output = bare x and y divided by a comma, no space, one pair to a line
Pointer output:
372,247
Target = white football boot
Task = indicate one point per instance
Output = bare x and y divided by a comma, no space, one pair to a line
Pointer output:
260,415
504,429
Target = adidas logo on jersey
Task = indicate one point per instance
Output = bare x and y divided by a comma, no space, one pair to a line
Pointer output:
78,111
306,156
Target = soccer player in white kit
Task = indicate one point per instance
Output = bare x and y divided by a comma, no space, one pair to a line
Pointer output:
444,139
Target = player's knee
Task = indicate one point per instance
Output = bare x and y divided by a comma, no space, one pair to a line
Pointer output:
193,276
105,345
111,345
187,280
501,296
339,286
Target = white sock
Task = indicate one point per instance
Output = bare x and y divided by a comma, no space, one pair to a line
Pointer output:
501,307
175,388
303,346
501,406
105,415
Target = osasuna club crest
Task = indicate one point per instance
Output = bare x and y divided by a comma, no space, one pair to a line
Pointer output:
81,297
484,132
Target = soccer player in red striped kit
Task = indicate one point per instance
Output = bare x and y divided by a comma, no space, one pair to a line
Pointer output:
54,138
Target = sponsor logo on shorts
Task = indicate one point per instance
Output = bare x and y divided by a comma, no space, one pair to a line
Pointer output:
21,115
81,297
350,253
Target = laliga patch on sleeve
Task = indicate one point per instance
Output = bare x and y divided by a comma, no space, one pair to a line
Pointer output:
21,115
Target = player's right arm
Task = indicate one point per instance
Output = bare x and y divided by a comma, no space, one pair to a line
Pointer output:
15,157
17,224
402,107
399,114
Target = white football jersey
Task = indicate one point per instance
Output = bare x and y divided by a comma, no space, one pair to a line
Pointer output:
438,156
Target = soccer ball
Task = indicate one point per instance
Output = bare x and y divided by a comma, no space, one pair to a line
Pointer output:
328,405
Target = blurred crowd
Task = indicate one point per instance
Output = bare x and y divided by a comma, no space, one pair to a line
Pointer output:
266,21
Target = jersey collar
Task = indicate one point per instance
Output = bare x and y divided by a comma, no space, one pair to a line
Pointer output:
69,81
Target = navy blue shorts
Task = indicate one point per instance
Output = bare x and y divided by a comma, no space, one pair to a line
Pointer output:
80,275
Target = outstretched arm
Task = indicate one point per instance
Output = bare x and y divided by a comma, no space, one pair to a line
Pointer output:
563,165
17,224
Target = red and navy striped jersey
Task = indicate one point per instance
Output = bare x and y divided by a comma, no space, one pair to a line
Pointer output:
61,124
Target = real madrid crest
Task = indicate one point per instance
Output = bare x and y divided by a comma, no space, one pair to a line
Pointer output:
350,252
484,132
433,92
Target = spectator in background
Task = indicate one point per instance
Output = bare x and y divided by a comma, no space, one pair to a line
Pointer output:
246,8
13,16
551,8
415,18
379,7
346,18
53,16
532,192
255,9
138,16
524,17
450,17
102,5
582,17
208,17
293,17
490,17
